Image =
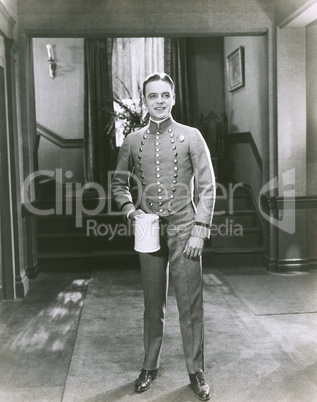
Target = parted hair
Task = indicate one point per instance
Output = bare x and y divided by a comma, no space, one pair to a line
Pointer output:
157,77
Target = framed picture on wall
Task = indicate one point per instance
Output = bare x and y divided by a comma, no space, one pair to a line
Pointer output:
235,69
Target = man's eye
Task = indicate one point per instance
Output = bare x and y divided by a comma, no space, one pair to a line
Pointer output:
152,96
166,96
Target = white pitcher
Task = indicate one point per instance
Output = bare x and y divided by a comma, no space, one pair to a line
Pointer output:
146,233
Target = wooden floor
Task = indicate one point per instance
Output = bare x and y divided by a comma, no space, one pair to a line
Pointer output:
78,337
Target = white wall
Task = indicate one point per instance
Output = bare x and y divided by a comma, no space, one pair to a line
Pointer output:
60,101
312,109
291,69
247,107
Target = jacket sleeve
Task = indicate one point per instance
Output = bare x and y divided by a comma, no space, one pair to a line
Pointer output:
120,184
204,184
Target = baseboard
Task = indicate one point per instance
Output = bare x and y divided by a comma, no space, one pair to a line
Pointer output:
312,263
270,263
33,272
281,265
21,285
296,264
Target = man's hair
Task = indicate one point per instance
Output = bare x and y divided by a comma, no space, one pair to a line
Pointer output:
157,77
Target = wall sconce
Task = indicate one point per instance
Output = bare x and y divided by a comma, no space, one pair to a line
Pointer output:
51,61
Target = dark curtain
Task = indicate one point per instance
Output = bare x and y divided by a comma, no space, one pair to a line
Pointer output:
177,66
99,137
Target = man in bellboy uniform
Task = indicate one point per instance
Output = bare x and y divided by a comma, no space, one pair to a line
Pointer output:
167,158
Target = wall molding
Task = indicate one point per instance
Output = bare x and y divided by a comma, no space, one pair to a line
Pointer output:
5,13
281,203
312,262
300,18
33,272
57,139
21,285
7,22
246,138
286,265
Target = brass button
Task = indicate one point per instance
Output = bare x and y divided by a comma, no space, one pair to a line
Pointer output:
175,168
157,149
141,149
173,189
174,147
142,142
174,181
143,184
157,143
148,131
157,155
161,210
172,141
169,130
158,175
175,161
157,162
171,196
159,190
151,204
175,175
181,138
175,154
139,156
158,183
157,132
160,204
171,135
157,137
160,197
158,169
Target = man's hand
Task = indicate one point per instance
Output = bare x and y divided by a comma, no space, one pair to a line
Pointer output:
194,247
135,213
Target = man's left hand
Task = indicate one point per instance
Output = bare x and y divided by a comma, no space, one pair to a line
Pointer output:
194,247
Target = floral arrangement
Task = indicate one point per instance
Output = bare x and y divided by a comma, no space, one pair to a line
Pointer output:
127,115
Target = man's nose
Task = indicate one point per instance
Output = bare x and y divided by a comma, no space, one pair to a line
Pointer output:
160,99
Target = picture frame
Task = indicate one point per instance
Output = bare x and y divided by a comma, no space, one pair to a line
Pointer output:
235,69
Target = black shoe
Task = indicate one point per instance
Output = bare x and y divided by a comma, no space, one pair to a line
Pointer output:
143,382
199,386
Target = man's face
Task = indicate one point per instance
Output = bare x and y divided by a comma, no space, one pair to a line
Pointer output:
159,99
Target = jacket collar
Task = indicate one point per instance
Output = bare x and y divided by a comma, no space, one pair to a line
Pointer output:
162,125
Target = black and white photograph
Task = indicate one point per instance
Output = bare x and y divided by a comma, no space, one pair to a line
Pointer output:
158,200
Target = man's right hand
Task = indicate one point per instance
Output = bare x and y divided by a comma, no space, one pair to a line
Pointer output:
135,213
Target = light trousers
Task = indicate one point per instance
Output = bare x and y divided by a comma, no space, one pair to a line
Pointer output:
186,278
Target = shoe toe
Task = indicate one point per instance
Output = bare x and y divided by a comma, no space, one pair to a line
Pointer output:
204,394
141,386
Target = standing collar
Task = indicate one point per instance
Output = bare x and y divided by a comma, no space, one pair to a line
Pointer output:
161,125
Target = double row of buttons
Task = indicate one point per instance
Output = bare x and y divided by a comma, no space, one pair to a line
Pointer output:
158,168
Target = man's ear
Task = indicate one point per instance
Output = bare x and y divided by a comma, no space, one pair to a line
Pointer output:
174,98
